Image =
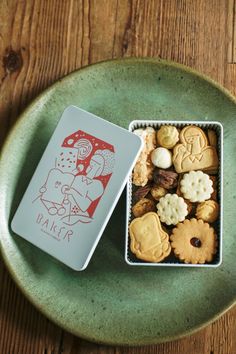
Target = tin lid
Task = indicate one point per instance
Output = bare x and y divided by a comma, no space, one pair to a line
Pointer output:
76,186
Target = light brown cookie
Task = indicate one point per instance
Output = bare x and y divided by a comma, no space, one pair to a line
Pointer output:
193,152
151,144
167,136
143,169
194,241
148,240
208,211
157,192
212,137
143,206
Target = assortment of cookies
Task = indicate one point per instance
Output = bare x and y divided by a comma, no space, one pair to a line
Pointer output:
175,206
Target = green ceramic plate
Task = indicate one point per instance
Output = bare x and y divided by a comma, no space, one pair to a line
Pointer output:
112,302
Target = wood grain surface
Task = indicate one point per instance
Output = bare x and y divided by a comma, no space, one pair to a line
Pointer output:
42,41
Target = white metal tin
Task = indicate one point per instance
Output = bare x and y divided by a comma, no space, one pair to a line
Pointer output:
76,186
131,259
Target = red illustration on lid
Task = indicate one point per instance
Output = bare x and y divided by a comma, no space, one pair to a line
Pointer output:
76,184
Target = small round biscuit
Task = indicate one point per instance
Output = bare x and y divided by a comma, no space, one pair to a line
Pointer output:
196,186
161,157
208,211
172,209
168,136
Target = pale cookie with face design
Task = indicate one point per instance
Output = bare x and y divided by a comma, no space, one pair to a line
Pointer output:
172,209
196,186
149,241
193,153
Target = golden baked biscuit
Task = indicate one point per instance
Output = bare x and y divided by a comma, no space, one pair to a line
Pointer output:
208,211
143,169
148,240
143,206
151,144
167,136
212,137
157,192
194,241
193,152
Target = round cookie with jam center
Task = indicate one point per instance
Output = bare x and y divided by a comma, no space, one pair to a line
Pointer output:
194,241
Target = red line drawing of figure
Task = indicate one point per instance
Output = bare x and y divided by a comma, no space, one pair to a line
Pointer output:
52,193
85,189
75,185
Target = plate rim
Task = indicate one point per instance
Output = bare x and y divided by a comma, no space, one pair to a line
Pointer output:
6,143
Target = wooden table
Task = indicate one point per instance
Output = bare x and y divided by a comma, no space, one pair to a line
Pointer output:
42,41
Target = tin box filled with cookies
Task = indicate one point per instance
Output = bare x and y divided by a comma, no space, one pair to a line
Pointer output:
175,195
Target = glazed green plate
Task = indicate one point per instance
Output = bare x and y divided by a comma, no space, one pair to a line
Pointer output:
112,302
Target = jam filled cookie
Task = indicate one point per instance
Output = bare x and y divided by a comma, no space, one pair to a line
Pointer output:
172,209
194,241
196,186
149,241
